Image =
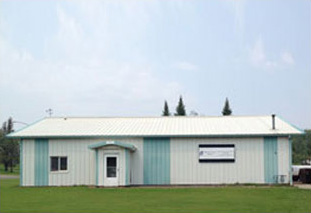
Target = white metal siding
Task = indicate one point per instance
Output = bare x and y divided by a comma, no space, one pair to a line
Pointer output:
185,167
247,168
82,162
28,163
136,161
100,167
283,158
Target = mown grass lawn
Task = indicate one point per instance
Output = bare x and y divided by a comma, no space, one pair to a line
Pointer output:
219,199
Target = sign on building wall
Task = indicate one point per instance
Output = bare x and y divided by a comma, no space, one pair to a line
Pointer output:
216,153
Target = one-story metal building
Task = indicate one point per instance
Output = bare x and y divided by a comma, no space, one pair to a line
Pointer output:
124,151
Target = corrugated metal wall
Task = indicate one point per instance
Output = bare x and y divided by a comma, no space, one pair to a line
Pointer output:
271,159
41,162
127,166
182,161
136,160
81,162
283,157
247,168
156,161
28,172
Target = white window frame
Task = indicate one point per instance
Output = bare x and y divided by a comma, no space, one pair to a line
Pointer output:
59,166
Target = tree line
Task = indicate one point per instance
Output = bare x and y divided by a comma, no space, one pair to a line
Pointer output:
302,148
9,148
181,109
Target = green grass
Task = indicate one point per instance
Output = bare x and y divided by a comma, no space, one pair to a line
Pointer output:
219,199
15,170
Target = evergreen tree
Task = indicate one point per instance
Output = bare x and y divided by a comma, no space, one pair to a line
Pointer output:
226,110
166,111
180,109
9,148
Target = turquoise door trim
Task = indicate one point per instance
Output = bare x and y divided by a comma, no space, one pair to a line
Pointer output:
21,162
41,162
127,167
156,161
290,161
97,166
113,143
271,159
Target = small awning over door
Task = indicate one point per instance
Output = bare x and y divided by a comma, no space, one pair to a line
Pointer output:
113,143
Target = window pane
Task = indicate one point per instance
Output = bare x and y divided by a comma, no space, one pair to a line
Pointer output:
63,163
54,163
111,167
111,172
111,161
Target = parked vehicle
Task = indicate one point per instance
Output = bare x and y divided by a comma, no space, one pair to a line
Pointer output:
305,175
296,171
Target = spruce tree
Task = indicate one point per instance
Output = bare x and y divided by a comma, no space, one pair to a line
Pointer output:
226,110
166,111
9,148
180,109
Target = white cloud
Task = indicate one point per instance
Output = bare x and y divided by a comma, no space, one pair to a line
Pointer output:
258,57
287,58
257,54
79,75
183,65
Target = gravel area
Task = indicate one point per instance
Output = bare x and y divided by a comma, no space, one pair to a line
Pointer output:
9,176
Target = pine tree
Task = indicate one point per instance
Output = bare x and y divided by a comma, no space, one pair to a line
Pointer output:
9,148
166,111
226,110
180,109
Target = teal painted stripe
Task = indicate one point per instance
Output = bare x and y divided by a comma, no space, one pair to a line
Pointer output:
112,143
127,167
97,166
290,161
21,162
156,161
292,125
270,159
41,162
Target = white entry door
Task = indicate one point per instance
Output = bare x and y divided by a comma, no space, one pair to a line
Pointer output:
111,174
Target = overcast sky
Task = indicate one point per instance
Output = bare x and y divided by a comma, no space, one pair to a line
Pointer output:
124,58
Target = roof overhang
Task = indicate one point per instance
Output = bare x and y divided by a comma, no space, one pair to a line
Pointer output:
155,136
113,143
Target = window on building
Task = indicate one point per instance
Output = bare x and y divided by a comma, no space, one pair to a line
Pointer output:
58,164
